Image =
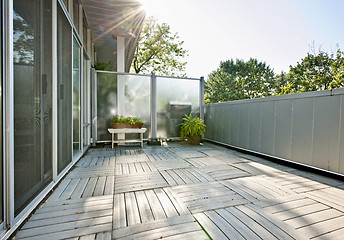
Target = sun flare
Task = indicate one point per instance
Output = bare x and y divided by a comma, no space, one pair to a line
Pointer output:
151,7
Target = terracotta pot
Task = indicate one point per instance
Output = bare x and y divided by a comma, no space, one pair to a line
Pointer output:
121,125
194,139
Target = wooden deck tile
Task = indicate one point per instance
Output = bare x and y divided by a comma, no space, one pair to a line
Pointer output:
183,176
169,227
135,182
259,188
132,158
165,165
164,156
103,236
222,172
244,222
145,206
69,218
136,167
207,196
204,161
92,171
190,154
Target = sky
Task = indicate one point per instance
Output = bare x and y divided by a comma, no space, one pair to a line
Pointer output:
278,32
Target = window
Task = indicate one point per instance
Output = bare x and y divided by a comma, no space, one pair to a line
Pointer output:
84,33
76,14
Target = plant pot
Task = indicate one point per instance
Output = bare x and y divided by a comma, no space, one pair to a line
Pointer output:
194,139
121,125
137,125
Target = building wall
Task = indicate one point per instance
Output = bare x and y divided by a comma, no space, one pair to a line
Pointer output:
306,128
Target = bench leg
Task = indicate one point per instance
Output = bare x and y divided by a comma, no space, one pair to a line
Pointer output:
112,140
141,139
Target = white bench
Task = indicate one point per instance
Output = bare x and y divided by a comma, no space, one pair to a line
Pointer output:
114,131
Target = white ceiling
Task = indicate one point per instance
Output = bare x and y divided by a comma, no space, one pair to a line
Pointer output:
108,19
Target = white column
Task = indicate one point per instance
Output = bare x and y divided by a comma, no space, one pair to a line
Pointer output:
153,107
120,79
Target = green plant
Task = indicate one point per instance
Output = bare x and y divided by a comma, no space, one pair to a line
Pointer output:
117,119
136,120
120,119
103,66
192,126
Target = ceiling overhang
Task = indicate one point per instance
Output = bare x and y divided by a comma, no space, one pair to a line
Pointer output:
109,19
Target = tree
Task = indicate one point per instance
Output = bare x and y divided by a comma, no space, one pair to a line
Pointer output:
315,72
159,50
235,80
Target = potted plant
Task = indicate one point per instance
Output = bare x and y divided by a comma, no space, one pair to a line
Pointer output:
118,121
192,128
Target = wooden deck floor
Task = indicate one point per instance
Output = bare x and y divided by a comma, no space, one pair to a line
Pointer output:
184,192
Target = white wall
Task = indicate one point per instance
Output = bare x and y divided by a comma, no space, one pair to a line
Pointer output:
307,128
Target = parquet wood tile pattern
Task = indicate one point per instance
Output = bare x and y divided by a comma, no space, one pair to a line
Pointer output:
177,191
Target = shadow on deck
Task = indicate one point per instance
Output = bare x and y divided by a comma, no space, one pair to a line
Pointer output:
187,192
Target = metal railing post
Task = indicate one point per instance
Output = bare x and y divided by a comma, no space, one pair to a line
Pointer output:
94,107
201,98
153,139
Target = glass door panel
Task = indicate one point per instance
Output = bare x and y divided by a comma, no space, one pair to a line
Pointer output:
85,102
32,99
64,88
76,97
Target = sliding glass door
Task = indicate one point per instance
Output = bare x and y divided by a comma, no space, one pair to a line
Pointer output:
64,90
76,96
32,57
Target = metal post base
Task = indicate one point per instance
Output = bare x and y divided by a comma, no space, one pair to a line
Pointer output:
153,142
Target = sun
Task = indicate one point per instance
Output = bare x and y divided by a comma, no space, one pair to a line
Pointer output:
151,7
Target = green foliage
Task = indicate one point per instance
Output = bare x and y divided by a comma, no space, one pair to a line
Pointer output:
192,126
120,119
238,79
103,66
159,50
315,72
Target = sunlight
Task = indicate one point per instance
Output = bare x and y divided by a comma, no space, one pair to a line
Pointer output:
151,7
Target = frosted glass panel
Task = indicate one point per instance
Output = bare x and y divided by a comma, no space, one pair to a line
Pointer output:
137,99
106,103
175,98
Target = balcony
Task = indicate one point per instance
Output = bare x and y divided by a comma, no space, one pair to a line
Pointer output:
178,191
